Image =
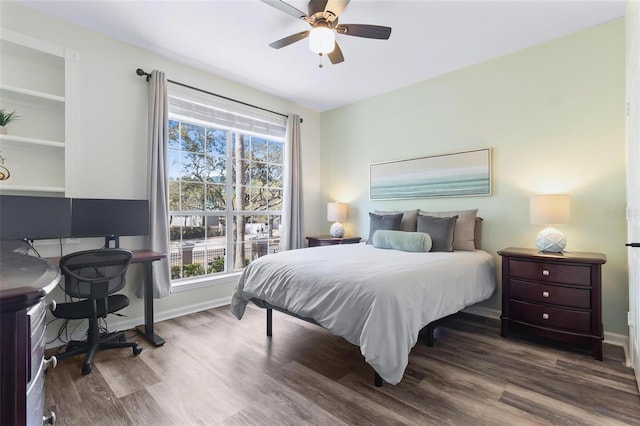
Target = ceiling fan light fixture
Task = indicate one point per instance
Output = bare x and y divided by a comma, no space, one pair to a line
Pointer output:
322,40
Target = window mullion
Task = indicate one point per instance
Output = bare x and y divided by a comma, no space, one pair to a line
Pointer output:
229,219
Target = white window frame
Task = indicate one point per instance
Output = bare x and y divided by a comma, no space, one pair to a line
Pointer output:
274,127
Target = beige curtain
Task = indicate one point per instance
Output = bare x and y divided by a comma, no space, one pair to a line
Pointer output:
159,181
291,231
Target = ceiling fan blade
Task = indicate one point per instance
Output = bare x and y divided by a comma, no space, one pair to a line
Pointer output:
316,6
366,31
336,7
290,39
336,56
286,8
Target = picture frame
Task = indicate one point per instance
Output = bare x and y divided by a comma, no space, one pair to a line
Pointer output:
457,174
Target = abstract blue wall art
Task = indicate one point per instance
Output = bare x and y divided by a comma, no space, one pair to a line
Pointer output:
448,175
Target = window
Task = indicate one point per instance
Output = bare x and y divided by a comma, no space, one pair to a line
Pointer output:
225,187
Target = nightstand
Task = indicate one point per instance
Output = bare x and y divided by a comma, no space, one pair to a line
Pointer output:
553,295
330,241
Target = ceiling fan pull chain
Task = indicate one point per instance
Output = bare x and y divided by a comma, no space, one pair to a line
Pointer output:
320,65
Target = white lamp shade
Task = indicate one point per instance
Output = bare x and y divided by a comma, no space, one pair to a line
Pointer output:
550,209
336,212
322,40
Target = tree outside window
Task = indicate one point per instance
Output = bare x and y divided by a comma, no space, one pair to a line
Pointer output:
222,183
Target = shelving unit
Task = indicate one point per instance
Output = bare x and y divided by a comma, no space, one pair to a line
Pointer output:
38,81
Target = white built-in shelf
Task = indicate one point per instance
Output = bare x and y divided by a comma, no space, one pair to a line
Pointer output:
35,141
28,93
7,187
38,80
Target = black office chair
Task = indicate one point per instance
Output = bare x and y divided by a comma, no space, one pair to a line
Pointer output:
94,275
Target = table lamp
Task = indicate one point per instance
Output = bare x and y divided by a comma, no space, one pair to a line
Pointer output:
550,209
336,212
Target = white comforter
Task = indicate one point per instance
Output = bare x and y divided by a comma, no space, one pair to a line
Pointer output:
376,299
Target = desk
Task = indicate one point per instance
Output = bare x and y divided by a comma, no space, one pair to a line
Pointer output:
146,258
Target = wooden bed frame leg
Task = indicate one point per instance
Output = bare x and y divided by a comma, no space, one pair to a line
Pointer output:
269,322
377,380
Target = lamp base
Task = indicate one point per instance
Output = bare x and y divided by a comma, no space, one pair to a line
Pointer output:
550,240
336,230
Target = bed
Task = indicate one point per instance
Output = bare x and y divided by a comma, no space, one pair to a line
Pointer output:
378,299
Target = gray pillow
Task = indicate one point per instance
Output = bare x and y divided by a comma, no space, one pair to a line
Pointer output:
440,229
409,221
383,221
477,234
464,236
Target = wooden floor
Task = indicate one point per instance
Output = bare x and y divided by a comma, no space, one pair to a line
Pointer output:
215,369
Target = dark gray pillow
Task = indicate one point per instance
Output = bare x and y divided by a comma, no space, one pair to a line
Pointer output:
440,229
383,221
409,222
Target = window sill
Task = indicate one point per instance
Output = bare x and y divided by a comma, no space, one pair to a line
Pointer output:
194,283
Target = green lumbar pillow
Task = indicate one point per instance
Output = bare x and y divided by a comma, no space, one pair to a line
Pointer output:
401,240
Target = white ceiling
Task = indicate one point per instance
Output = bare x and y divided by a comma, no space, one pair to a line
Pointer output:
429,38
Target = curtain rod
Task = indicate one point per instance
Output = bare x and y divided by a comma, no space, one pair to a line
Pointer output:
147,76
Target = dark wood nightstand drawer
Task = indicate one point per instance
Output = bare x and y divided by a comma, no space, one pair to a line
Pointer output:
546,316
550,294
551,272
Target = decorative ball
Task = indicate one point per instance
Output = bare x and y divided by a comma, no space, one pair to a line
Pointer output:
551,240
336,230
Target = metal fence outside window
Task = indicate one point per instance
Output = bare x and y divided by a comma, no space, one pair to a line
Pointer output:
205,257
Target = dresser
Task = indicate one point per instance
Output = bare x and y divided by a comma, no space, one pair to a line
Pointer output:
553,295
330,241
24,283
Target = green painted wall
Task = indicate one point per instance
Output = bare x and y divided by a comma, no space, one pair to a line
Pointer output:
553,115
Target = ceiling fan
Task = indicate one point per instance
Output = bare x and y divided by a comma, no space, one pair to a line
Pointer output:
323,18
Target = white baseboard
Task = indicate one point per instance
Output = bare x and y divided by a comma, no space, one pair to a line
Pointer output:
481,311
190,309
619,340
118,323
610,338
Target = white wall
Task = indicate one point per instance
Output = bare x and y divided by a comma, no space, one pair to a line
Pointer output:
553,116
112,142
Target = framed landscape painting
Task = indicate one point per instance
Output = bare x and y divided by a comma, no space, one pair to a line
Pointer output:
448,175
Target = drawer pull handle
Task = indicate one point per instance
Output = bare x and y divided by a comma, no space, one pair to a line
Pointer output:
545,316
545,272
545,294
51,362
50,419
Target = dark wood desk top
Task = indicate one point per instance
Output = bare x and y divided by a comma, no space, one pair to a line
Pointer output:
25,279
140,256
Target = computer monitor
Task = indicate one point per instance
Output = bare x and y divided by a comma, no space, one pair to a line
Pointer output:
34,218
109,218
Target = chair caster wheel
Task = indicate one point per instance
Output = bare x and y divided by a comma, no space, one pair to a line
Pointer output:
137,349
86,369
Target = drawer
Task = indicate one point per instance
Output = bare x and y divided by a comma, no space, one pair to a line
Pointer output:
565,319
37,322
550,272
35,398
550,294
